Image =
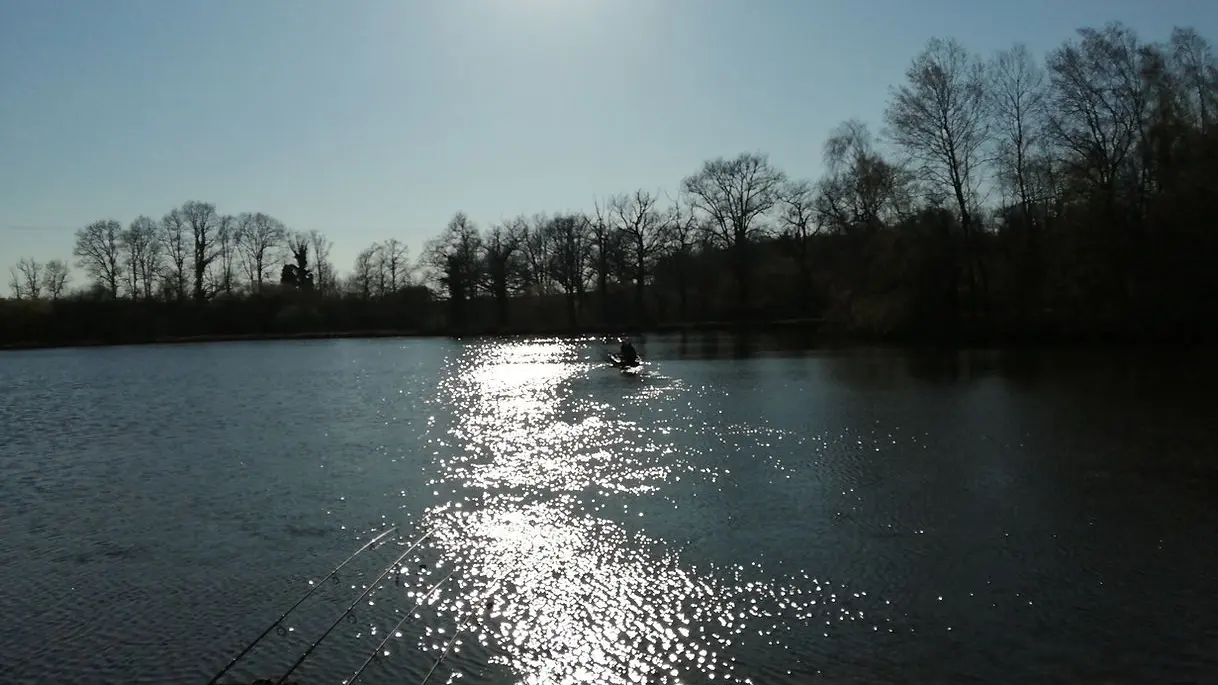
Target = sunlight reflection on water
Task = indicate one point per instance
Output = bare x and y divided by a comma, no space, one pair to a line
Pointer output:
1047,520
575,596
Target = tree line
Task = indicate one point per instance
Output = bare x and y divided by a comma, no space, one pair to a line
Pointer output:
198,272
1005,197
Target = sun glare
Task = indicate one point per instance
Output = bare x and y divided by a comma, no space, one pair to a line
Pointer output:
546,7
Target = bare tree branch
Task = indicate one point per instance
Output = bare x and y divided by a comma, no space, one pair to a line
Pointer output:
31,275
733,195
142,253
204,224
176,246
259,235
939,117
55,278
99,252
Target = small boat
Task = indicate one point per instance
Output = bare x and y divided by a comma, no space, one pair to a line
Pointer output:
625,367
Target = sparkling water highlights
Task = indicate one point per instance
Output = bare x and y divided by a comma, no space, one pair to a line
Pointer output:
537,484
835,516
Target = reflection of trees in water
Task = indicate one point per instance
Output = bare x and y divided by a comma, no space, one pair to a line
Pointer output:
893,367
742,343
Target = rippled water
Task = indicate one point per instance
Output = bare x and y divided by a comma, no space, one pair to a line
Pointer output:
731,514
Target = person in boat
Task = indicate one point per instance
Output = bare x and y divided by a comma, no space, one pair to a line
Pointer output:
628,355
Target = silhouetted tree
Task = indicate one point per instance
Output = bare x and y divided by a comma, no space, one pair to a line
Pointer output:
1099,110
176,245
55,278
1074,206
455,262
141,256
296,273
939,118
1017,103
27,282
258,236
228,235
204,225
392,262
569,235
606,250
640,224
734,194
323,270
797,216
1018,92
538,248
679,233
15,285
1196,69
862,192
98,250
500,247
362,277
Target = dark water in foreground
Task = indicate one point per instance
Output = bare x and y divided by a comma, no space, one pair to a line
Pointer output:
730,515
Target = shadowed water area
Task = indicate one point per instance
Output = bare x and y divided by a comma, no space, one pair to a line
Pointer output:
740,511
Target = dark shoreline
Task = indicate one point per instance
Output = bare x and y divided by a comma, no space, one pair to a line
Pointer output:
810,330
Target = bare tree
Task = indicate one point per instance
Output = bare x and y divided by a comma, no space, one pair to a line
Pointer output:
395,260
323,268
259,236
679,232
141,256
454,258
379,277
797,216
862,191
1017,100
734,194
224,278
1018,97
205,225
797,210
570,238
176,246
454,261
537,247
30,276
14,284
1094,119
639,222
363,277
1197,69
55,278
98,249
940,118
605,242
1100,119
499,250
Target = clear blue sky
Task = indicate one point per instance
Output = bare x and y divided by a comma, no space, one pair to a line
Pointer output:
369,119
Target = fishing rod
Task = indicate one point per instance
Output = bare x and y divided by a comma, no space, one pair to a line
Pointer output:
457,632
375,652
370,544
359,599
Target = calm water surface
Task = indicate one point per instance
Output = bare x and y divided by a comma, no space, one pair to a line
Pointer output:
735,513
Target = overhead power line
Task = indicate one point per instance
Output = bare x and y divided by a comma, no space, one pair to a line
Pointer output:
19,227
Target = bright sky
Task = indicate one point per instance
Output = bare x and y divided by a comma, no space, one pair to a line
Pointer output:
370,119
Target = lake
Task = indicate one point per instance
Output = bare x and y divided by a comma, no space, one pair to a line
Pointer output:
744,510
